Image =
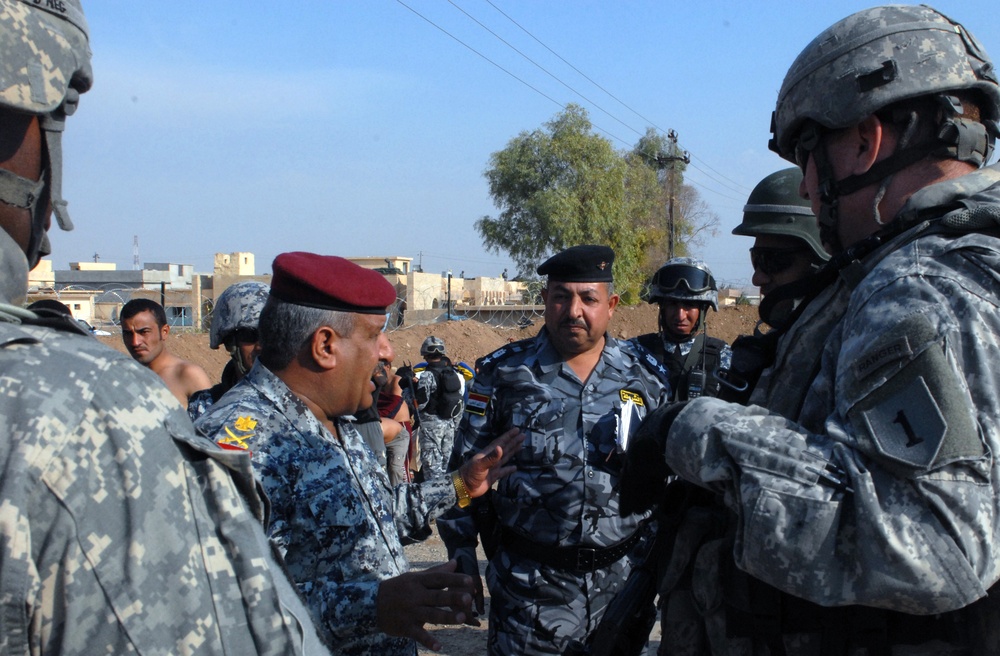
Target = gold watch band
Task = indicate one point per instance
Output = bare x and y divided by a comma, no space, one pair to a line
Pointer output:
463,492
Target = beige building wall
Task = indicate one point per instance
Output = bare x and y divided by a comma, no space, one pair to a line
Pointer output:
93,266
234,264
42,275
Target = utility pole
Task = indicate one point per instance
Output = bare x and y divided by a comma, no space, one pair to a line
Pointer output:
449,296
669,161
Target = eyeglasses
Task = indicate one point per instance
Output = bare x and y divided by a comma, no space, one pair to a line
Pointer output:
772,261
245,336
696,280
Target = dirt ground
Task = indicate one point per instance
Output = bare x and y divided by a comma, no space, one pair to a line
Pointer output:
466,341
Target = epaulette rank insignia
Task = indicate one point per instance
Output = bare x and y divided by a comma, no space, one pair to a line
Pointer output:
241,431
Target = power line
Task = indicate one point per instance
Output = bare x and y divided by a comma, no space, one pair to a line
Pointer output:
542,68
563,60
533,88
741,188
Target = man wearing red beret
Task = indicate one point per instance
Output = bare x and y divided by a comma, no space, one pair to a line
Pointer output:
335,518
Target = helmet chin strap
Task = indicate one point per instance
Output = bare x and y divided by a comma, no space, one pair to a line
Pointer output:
237,357
955,138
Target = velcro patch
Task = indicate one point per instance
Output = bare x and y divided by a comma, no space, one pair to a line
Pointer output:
880,356
634,397
477,404
908,427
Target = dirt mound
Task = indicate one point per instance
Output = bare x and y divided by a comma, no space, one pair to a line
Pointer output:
465,341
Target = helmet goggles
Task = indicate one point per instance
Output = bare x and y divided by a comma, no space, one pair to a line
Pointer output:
672,278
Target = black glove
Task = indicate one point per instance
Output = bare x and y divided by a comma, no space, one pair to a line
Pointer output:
645,471
406,376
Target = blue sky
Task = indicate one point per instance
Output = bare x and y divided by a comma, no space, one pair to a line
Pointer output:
359,128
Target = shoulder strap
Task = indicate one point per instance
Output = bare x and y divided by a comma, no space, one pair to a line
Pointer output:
695,353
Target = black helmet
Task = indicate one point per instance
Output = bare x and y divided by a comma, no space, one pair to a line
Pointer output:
775,208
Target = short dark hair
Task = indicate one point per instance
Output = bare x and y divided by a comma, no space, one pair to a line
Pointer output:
137,305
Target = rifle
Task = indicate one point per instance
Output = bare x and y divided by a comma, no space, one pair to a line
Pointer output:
624,629
752,354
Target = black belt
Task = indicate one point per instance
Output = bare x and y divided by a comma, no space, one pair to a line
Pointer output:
576,559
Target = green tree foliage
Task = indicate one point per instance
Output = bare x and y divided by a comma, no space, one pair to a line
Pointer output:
564,185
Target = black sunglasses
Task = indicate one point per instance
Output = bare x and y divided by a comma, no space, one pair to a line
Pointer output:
246,336
772,261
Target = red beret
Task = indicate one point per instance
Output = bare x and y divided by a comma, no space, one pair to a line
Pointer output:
329,282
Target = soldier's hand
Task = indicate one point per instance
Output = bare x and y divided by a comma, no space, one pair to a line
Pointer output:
434,596
645,470
490,464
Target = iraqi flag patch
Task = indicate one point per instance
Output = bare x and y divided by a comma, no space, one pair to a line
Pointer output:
477,404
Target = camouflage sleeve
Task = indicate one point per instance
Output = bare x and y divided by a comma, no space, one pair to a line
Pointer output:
457,526
889,501
416,504
426,386
726,357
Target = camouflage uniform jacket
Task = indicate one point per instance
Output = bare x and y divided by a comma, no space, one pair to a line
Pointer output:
334,516
866,471
565,489
122,531
716,355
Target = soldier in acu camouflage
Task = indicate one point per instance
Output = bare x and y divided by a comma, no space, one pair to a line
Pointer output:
564,550
334,517
122,531
863,477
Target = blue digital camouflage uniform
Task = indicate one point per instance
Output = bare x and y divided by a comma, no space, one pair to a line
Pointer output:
121,531
334,517
435,434
564,492
674,356
865,472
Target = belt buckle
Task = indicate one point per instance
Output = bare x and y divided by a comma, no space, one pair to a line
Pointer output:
586,559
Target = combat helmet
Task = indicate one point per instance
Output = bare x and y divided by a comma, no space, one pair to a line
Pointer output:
238,306
881,56
432,346
44,67
683,279
775,208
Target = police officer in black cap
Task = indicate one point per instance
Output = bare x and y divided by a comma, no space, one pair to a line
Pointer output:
564,550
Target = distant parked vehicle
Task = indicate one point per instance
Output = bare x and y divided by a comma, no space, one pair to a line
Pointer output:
91,329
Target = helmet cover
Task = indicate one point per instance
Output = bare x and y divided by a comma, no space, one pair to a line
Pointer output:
45,55
238,306
432,346
683,279
875,58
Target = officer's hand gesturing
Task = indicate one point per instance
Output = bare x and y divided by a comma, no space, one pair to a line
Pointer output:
490,464
434,596
645,470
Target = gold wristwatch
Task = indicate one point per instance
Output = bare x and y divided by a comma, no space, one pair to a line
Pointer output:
463,492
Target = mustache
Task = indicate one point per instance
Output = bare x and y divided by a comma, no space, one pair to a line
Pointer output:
580,323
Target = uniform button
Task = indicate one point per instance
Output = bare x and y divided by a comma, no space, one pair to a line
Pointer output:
590,473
